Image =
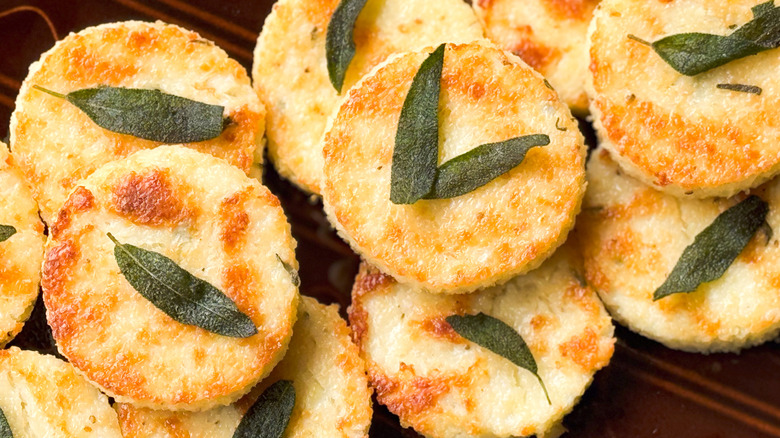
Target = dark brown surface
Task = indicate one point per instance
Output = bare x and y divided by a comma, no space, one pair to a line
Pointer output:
647,391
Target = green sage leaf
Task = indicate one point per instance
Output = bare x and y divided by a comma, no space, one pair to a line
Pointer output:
6,231
498,337
296,279
762,8
269,415
715,248
340,40
764,28
742,88
5,428
481,165
693,53
148,114
416,151
179,294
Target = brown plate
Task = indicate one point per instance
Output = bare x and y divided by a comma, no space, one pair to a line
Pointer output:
647,390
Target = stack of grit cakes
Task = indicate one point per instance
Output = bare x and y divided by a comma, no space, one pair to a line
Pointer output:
441,137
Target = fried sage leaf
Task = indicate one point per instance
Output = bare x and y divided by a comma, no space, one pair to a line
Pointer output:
481,165
269,416
415,172
179,294
296,279
340,40
742,88
416,151
6,231
148,114
693,53
5,428
498,337
715,248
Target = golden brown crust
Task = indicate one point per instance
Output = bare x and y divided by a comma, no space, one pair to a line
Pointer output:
536,54
477,239
290,71
234,219
334,363
43,396
679,133
368,280
149,199
549,35
632,235
121,341
580,10
127,54
332,397
442,385
22,253
406,394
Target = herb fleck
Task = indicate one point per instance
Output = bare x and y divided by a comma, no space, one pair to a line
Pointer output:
741,88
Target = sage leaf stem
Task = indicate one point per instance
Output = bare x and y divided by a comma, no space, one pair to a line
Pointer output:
498,337
715,248
270,414
179,294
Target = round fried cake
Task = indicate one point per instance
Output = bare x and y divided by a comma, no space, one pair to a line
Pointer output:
549,35
214,222
680,133
56,144
445,386
501,229
291,76
332,398
633,235
21,253
44,397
